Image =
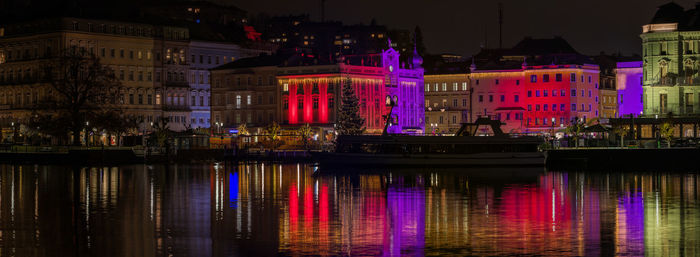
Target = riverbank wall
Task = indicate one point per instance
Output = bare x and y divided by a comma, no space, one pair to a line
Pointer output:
623,159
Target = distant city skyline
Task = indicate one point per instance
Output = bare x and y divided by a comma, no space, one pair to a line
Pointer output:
458,27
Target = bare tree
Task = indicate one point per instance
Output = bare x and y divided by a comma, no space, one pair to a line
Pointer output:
83,88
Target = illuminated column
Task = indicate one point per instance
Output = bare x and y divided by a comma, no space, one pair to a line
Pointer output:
323,101
308,108
293,118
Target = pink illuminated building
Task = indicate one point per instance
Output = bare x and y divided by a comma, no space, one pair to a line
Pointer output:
537,86
312,93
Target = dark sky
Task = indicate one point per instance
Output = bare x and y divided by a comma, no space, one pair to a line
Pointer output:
457,26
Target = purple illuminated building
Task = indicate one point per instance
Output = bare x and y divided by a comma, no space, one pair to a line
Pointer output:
629,88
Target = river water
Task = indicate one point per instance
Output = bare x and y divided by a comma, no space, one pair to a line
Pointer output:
294,210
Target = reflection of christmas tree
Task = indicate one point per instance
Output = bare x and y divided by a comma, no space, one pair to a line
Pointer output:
349,120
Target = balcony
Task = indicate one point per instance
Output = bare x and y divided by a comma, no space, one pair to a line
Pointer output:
176,108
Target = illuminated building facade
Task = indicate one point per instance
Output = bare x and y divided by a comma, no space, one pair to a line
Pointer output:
536,98
536,86
629,88
163,72
446,102
205,55
670,48
311,94
245,92
128,48
607,89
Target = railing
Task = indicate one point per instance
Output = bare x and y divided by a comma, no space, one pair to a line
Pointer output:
176,108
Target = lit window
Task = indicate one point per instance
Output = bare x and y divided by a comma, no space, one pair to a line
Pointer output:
464,86
285,87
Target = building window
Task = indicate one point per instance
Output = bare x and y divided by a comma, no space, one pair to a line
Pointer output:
537,93
545,93
285,103
464,86
131,75
503,98
589,93
589,79
562,107
516,98
464,102
529,107
537,107
529,93
490,98
533,78
427,87
300,103
436,87
557,77
573,92
149,99
545,78
545,107
248,100
481,98
573,77
477,82
554,107
497,82
455,86
315,103
140,99
331,103
238,102
573,107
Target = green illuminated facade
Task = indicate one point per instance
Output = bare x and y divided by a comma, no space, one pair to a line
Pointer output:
671,53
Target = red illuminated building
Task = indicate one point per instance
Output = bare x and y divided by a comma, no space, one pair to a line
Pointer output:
311,94
536,86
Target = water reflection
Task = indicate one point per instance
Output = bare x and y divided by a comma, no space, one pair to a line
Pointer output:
266,209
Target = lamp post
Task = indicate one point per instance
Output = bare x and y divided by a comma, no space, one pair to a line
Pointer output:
552,133
87,123
14,133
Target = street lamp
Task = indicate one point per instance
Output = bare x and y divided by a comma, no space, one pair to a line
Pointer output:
87,123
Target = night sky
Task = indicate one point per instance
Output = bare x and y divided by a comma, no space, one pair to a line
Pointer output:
457,26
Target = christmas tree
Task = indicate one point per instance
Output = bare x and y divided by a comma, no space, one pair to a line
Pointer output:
349,120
